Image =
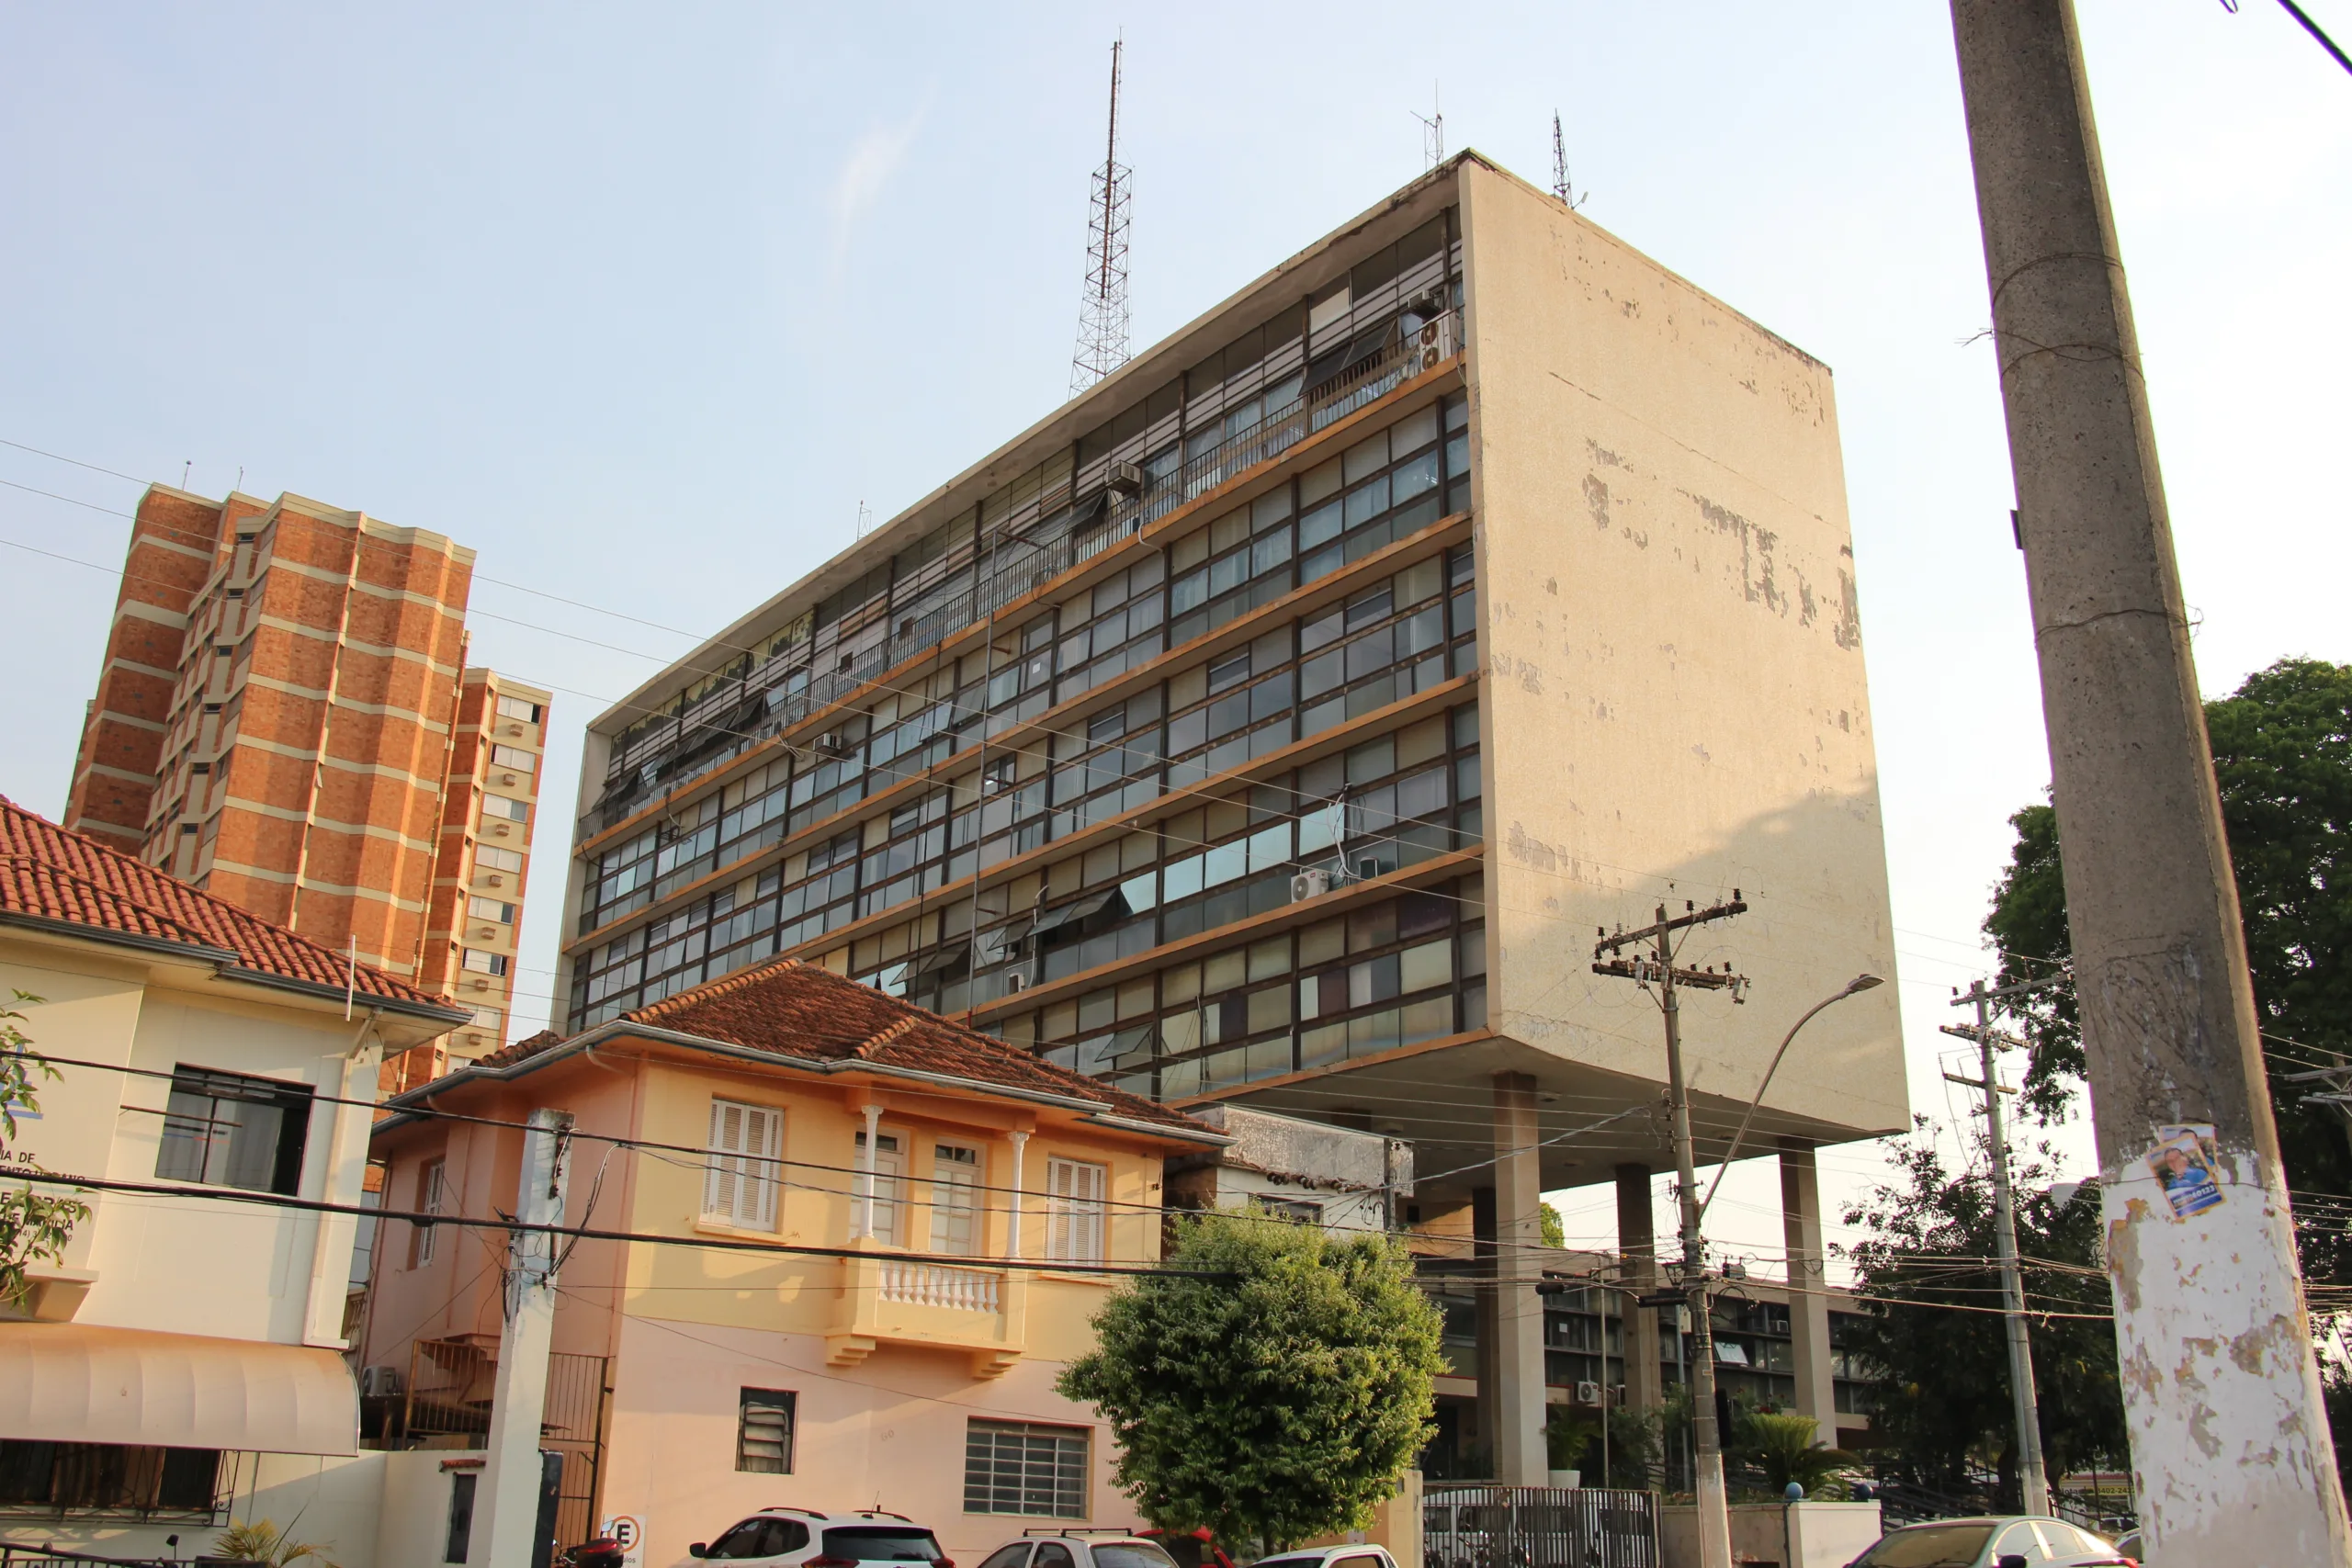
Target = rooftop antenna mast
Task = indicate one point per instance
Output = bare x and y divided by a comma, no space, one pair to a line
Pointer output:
1561,187
1102,318
1432,129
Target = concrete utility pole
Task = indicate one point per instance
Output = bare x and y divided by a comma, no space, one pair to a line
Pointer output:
2033,1478
1707,1479
511,1479
2221,1391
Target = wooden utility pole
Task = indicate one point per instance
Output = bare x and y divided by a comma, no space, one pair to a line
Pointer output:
2230,1441
1657,967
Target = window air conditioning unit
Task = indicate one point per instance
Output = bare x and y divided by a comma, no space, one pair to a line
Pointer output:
1126,478
1588,1394
1309,884
379,1383
1366,869
831,742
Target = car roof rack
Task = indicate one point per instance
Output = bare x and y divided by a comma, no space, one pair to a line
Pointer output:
788,1508
1042,1531
883,1514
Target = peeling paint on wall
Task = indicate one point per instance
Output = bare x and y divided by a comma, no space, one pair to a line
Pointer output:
1596,499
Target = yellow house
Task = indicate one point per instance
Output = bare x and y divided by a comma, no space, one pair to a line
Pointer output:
854,1244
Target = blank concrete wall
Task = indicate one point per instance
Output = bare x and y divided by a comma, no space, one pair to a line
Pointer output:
1674,702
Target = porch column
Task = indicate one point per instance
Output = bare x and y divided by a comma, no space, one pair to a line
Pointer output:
862,1222
1637,1244
1518,1393
1808,1286
1013,1208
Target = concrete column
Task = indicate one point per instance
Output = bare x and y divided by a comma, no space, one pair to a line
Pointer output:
1518,1395
1808,1284
1637,1244
1020,1141
507,1509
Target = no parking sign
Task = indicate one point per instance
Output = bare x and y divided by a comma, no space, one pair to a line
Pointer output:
628,1532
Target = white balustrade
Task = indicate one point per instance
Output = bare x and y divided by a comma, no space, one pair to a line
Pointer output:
941,1285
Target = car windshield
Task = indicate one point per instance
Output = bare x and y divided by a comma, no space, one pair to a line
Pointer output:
1928,1546
882,1543
1131,1554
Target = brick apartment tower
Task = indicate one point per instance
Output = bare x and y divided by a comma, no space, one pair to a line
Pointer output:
285,719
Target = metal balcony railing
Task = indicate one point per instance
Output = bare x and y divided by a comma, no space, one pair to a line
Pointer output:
763,702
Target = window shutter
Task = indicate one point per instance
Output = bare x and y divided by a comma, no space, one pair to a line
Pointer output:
764,1138
726,1139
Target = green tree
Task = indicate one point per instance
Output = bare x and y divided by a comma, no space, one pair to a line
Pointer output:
1572,1439
1926,1278
1278,1401
34,1225
1556,1230
2282,755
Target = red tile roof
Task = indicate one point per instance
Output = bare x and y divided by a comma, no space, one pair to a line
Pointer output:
64,879
794,1010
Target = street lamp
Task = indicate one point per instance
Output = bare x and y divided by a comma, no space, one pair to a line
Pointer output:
1854,986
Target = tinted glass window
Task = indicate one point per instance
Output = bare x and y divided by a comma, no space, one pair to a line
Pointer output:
883,1543
1928,1546
1012,1556
1131,1554
740,1542
1053,1554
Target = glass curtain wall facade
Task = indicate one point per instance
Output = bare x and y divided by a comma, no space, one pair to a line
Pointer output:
1263,702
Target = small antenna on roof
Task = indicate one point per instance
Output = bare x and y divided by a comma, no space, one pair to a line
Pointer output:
1432,129
351,974
864,518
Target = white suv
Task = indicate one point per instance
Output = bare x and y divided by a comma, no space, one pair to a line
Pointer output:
1079,1549
803,1537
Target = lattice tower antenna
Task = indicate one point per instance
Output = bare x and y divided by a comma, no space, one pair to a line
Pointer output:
1433,131
1103,317
1560,185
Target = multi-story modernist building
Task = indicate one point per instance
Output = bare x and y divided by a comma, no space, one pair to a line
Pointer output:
1278,719
285,720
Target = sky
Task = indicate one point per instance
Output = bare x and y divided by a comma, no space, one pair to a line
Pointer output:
645,304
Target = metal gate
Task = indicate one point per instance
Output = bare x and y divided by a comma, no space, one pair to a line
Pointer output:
1538,1527
450,1386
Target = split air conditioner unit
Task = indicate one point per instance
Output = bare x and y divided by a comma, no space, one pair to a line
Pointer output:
1588,1394
1309,884
1126,478
377,1382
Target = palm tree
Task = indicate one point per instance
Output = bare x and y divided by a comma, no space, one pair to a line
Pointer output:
1782,1446
262,1541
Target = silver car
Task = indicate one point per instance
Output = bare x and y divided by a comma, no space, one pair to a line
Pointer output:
2008,1540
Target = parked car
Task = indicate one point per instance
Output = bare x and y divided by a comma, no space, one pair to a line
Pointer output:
804,1537
1079,1549
2008,1540
1190,1549
1362,1555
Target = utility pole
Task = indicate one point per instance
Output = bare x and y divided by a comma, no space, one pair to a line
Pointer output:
2221,1389
518,1410
2033,1478
1659,967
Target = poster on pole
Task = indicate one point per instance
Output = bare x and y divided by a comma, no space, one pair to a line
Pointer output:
2185,1162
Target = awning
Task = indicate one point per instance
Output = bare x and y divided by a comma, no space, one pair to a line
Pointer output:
74,1382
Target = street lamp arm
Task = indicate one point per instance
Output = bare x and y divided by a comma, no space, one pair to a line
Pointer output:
1859,983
